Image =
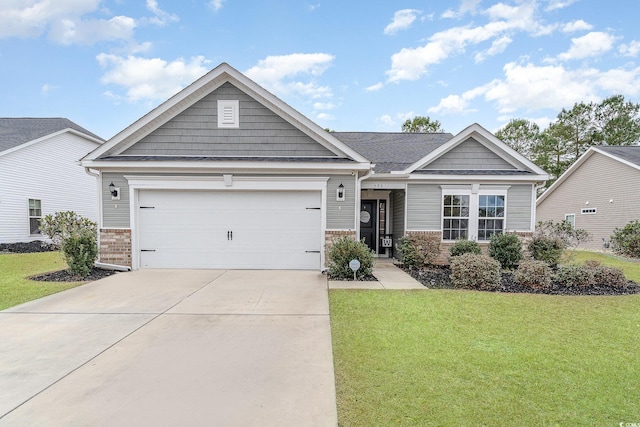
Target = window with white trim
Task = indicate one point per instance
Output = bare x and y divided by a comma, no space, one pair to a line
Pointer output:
35,215
228,113
571,220
473,215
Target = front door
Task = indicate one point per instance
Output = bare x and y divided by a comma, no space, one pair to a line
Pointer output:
368,223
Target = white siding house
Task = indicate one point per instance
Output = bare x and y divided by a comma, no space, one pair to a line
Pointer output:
39,174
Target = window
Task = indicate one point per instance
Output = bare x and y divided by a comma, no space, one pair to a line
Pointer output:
571,220
473,215
35,215
228,114
490,216
455,217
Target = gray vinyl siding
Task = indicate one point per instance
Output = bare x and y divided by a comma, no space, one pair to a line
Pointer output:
611,187
424,206
195,132
397,214
469,155
115,213
519,209
340,215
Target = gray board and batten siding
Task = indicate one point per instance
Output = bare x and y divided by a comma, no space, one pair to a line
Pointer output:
424,207
340,215
195,132
397,214
472,155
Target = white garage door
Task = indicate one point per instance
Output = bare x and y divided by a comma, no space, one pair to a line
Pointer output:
229,229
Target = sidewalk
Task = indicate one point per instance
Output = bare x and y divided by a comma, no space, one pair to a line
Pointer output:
389,277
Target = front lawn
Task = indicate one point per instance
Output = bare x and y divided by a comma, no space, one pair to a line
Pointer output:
450,357
15,288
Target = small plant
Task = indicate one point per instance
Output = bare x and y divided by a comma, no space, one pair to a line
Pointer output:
462,247
475,271
574,276
571,237
76,236
533,274
419,249
507,249
603,275
342,251
626,240
546,248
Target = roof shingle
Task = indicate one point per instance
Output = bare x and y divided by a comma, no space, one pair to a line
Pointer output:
17,131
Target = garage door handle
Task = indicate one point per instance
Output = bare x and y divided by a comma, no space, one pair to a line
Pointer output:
313,209
147,250
312,252
147,207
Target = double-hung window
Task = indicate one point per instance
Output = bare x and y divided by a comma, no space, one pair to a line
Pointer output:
473,214
35,215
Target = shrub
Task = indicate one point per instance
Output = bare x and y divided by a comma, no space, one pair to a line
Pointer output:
571,237
76,236
419,249
603,275
345,249
475,271
546,248
507,249
574,276
462,247
626,240
80,251
533,274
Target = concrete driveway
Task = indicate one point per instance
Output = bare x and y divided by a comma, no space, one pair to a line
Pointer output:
172,347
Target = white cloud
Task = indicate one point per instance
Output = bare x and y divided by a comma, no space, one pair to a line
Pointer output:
216,4
281,74
149,79
86,32
466,6
375,87
324,106
413,63
497,46
325,116
632,49
592,44
573,26
161,17
558,4
402,20
46,89
386,120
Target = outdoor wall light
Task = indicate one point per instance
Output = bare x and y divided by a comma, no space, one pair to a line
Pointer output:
113,190
340,193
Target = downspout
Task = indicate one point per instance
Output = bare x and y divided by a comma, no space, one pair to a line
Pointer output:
359,197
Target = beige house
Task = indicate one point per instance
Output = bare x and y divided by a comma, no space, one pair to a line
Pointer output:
599,192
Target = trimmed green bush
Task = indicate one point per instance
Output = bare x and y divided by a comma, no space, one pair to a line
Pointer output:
546,248
626,240
507,249
574,275
80,251
342,251
61,225
419,249
475,271
461,247
603,275
533,274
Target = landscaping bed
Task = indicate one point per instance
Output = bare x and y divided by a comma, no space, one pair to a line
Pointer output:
65,276
437,277
27,247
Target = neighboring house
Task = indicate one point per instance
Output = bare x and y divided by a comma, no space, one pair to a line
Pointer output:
226,175
599,192
40,174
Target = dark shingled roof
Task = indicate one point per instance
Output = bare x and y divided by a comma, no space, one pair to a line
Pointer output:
392,151
473,172
630,153
17,131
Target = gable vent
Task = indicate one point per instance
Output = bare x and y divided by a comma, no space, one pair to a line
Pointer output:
228,114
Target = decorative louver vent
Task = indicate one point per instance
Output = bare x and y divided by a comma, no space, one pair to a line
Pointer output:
228,114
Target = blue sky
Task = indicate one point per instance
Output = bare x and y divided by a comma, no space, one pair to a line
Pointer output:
347,65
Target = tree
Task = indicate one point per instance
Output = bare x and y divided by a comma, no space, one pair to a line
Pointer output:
551,152
576,127
520,134
421,124
617,122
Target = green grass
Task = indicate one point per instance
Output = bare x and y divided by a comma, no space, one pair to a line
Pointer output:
15,288
446,357
631,268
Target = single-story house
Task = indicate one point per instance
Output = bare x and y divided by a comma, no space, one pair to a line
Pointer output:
598,193
226,175
39,174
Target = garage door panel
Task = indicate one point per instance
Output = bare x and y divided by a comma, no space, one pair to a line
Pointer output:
231,229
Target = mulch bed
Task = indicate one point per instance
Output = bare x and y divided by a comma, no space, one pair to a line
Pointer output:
27,247
438,278
65,276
